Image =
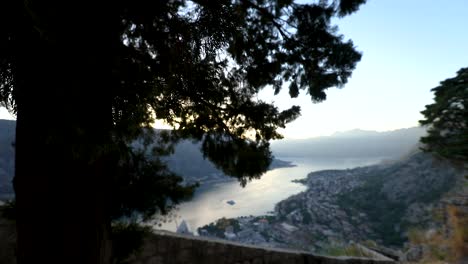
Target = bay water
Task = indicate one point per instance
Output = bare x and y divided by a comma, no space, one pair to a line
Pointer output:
258,197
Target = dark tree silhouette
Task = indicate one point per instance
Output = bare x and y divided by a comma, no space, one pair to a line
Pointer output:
447,119
87,77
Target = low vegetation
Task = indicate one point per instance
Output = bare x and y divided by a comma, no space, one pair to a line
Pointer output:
218,228
128,239
382,212
445,244
458,221
349,250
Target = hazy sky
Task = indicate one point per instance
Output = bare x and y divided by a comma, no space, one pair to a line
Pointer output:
408,47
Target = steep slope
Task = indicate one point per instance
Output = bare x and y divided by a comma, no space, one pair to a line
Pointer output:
379,203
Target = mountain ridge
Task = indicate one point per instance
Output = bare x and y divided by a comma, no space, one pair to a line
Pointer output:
390,144
186,161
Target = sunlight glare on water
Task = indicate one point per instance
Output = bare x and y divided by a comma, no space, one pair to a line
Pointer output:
258,197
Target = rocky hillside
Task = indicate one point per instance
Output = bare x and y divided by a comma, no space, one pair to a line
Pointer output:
377,203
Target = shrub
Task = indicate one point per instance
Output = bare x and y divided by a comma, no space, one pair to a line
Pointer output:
127,239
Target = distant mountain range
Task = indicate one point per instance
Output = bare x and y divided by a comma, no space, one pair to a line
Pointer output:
186,161
354,143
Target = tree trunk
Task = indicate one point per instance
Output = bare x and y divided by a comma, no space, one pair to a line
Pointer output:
61,214
61,177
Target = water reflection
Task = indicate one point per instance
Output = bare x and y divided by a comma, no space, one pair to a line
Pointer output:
258,197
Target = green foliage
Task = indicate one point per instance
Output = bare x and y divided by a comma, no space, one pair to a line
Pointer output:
307,218
348,250
127,239
198,65
383,213
218,228
102,74
369,243
447,119
213,229
416,236
145,187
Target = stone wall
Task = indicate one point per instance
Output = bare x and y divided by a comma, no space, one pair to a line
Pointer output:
170,248
7,241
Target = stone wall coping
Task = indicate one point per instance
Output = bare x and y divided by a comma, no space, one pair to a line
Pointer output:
323,259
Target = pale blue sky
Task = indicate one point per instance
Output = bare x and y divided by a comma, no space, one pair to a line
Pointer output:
408,47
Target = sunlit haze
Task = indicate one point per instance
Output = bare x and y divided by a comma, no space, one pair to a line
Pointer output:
408,48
